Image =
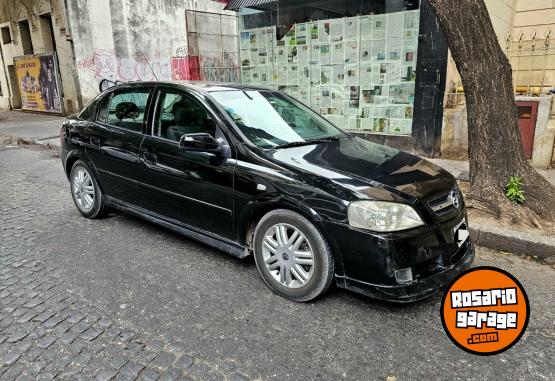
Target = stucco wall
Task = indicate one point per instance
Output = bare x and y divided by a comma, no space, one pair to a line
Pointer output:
129,40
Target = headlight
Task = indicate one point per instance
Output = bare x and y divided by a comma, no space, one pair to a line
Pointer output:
382,216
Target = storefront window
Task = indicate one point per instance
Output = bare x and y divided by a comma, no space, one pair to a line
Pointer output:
358,71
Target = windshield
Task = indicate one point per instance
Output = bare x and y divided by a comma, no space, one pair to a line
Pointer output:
270,119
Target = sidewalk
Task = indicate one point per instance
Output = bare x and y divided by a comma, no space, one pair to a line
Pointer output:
33,128
459,169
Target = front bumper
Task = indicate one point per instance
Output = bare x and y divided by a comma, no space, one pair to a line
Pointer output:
370,261
414,291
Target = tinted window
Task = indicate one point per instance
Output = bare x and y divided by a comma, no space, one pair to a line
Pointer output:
88,111
126,109
179,114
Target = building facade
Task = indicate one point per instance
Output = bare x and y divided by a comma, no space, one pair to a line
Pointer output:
374,68
96,40
525,30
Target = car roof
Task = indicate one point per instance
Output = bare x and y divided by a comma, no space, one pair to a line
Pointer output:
197,85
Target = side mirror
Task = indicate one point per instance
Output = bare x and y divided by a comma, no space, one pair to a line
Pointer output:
201,142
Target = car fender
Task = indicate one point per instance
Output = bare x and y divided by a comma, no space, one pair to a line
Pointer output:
259,206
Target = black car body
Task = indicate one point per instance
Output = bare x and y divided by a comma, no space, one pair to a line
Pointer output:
219,195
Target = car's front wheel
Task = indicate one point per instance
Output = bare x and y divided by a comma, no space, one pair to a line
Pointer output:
292,256
85,191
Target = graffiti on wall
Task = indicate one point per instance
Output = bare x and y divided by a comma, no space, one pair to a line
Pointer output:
218,69
206,68
104,64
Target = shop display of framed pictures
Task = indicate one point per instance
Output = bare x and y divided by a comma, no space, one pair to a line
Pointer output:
358,72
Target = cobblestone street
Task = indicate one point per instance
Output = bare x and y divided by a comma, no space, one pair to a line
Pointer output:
119,298
49,330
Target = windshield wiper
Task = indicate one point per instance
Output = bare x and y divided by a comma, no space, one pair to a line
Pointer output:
308,142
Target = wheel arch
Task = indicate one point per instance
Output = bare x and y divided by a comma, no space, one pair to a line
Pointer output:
253,212
76,155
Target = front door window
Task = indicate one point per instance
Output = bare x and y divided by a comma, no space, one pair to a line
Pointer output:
179,114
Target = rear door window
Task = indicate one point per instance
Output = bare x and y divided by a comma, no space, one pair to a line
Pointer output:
126,109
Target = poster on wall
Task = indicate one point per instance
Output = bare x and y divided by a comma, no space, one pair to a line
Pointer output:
37,77
359,72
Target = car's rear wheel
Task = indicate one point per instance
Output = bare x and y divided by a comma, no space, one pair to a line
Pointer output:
292,256
85,191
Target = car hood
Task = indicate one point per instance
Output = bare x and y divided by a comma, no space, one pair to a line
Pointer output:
369,169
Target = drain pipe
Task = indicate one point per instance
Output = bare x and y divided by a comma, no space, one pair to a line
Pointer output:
76,83
6,76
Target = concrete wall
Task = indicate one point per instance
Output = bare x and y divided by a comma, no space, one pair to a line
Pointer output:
534,15
129,40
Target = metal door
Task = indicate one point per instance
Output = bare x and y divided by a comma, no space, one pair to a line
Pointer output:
527,116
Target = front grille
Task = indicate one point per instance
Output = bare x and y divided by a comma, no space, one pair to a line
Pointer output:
445,203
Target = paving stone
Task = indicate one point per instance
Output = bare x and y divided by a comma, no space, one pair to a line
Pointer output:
105,323
132,368
118,362
80,327
54,321
91,334
18,336
9,359
26,317
106,375
185,362
75,317
199,370
46,342
124,377
47,376
155,345
35,368
172,374
44,316
163,360
23,347
149,375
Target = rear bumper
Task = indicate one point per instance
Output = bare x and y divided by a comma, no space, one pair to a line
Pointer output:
417,290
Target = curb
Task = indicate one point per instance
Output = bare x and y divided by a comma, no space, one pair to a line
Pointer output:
49,143
514,241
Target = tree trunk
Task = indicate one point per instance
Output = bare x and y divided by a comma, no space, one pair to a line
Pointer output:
494,141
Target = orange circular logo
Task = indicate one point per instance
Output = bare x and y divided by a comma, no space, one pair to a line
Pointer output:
485,311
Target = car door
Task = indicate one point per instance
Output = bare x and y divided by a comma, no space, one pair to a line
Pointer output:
115,140
193,188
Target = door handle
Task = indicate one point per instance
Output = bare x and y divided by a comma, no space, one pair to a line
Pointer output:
150,158
95,140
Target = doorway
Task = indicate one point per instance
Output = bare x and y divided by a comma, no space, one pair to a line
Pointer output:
25,33
47,31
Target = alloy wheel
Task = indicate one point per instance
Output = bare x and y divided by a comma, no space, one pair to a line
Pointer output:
83,189
288,255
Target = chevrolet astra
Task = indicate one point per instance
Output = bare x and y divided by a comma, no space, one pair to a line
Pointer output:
251,170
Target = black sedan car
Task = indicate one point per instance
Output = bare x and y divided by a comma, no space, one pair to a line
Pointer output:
253,171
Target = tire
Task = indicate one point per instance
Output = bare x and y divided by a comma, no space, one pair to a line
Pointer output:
280,264
81,187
